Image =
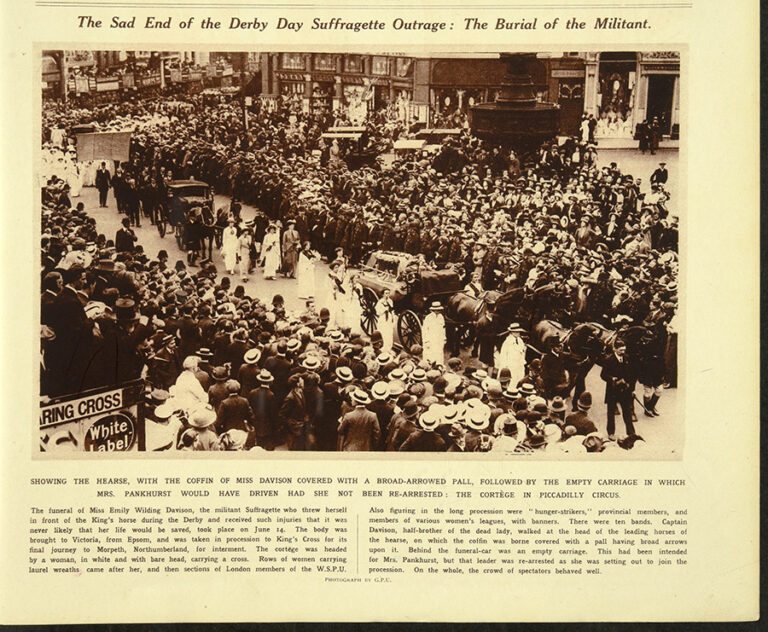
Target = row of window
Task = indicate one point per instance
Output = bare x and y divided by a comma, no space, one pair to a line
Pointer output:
380,64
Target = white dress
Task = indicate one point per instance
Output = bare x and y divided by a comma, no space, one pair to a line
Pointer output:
354,312
512,356
244,248
74,179
433,338
229,248
270,251
585,131
306,275
385,321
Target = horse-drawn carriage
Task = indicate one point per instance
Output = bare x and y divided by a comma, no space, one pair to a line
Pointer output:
413,288
189,210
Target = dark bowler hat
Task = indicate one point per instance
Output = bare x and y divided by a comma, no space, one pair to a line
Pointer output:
220,373
125,309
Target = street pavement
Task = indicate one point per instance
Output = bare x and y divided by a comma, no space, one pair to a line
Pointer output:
664,435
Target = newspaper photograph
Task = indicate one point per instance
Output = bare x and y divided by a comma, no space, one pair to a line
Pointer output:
350,252
323,313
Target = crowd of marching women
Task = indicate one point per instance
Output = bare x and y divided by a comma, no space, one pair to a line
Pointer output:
581,262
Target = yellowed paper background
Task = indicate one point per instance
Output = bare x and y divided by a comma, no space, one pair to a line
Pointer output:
719,367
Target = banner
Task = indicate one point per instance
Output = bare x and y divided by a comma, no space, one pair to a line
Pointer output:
104,146
81,85
107,419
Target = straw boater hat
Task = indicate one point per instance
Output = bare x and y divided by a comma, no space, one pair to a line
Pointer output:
515,328
511,392
527,389
429,421
293,344
203,417
344,373
311,363
380,390
396,387
265,377
384,358
360,397
252,356
436,307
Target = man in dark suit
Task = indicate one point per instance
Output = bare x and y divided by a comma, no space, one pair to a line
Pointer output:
580,419
234,413
424,438
262,402
132,202
103,182
125,238
359,429
218,392
73,331
488,328
619,387
382,408
280,367
248,375
554,376
660,175
236,351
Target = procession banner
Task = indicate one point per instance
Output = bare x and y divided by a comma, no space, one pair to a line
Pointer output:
104,146
669,532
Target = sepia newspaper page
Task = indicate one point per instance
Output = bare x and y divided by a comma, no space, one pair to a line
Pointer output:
516,378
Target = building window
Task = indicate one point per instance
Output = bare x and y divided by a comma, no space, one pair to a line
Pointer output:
380,65
292,61
325,62
353,63
404,66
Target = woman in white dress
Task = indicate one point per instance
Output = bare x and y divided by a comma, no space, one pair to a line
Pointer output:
306,271
385,321
336,294
244,252
584,129
230,246
355,308
74,178
270,252
512,354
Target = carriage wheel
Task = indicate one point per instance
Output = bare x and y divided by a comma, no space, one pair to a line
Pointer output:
161,223
409,330
368,319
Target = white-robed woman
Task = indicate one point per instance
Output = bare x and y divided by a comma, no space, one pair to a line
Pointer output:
306,271
244,252
385,321
230,246
270,252
74,177
512,353
336,294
